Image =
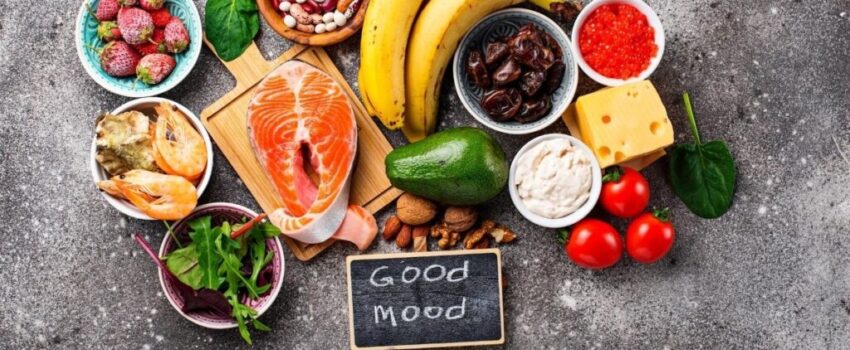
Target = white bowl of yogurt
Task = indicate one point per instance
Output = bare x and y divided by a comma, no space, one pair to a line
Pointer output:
555,180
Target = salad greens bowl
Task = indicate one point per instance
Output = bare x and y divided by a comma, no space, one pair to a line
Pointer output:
202,306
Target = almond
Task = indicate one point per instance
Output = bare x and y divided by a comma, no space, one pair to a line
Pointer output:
420,238
421,231
404,237
392,227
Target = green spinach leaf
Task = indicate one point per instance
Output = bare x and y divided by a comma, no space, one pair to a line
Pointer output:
204,238
702,175
230,26
183,263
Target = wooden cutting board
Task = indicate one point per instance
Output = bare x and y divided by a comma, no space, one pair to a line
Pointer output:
225,120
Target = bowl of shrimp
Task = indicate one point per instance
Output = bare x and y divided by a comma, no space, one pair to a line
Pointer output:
151,159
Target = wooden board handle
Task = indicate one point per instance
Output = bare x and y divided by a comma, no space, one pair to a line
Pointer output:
247,67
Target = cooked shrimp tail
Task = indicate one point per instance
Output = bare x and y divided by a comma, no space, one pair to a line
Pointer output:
162,197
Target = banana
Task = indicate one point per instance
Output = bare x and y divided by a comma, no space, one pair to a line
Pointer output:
383,46
433,41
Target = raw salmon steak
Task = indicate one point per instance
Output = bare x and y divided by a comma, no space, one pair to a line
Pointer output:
302,127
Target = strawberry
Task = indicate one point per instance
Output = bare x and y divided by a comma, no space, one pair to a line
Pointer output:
154,44
135,24
176,36
127,3
151,5
119,59
160,17
108,31
154,68
106,10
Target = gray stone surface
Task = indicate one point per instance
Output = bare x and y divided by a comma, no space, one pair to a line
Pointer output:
769,77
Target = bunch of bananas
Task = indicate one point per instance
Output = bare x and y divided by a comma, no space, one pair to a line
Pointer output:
404,51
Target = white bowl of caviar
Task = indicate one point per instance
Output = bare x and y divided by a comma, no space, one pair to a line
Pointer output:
555,180
617,42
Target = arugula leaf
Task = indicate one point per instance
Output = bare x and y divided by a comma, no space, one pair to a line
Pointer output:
209,260
702,175
230,25
240,314
232,265
260,326
268,230
183,264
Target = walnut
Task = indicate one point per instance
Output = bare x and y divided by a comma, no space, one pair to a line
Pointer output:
475,236
415,210
447,238
482,244
460,219
502,234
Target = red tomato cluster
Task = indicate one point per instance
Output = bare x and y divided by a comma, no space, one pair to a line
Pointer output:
617,41
595,244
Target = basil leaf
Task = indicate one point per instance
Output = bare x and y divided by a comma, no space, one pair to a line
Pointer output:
208,259
230,25
183,264
702,175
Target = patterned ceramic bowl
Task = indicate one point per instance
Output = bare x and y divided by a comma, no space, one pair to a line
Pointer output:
220,212
86,41
494,27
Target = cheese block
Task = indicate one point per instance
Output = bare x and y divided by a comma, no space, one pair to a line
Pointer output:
624,123
638,163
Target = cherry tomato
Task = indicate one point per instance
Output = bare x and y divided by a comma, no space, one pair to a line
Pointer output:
593,244
625,192
650,236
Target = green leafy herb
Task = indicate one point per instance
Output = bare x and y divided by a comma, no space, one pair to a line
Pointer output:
230,26
204,237
702,175
183,263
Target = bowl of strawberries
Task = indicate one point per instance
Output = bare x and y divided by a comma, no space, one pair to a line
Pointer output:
138,48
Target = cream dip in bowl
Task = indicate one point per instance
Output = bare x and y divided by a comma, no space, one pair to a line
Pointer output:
555,180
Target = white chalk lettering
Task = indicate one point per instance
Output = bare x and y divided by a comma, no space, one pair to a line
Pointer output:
384,313
387,281
428,314
404,274
464,270
460,308
415,314
439,277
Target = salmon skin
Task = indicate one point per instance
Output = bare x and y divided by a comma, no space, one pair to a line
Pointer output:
302,128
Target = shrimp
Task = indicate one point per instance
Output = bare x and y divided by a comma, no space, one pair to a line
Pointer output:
110,188
162,197
178,148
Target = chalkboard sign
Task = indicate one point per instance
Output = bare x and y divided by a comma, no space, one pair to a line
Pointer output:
425,300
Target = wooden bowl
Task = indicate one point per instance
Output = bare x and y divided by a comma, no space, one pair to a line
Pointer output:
272,16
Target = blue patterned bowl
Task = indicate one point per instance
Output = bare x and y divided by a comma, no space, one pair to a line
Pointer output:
86,39
494,27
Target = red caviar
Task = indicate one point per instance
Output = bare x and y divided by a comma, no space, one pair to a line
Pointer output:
617,41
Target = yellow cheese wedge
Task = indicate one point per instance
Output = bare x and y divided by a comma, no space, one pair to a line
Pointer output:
624,123
637,164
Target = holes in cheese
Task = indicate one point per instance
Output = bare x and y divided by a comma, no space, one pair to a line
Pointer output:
653,128
623,123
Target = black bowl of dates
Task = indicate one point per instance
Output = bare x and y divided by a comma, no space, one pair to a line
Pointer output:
514,71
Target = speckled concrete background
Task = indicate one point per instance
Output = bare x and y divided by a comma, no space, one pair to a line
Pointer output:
769,77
